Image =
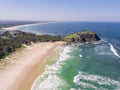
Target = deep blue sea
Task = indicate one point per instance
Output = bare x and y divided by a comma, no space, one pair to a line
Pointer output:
82,66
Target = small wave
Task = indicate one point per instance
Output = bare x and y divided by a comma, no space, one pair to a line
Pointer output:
102,49
113,50
100,42
47,85
81,56
43,82
100,80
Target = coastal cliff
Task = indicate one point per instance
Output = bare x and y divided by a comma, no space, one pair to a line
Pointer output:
84,36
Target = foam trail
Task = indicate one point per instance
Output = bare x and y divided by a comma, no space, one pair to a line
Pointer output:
113,50
100,80
43,82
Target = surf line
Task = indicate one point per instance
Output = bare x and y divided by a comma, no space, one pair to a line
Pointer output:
114,50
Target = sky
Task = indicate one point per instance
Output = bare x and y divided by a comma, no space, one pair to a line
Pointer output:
60,10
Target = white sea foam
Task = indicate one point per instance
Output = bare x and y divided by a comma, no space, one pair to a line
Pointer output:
99,42
102,49
81,55
100,80
74,89
106,49
113,50
49,80
52,82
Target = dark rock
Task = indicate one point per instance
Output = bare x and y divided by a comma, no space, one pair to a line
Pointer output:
85,36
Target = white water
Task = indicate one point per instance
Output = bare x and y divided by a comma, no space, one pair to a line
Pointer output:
43,82
81,56
113,50
50,80
103,49
100,80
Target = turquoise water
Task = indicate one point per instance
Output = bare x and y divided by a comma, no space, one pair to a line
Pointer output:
82,66
97,69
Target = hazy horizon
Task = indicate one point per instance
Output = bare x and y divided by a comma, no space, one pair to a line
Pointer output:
60,10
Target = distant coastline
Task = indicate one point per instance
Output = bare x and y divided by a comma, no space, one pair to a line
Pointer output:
21,61
17,26
24,25
4,24
73,61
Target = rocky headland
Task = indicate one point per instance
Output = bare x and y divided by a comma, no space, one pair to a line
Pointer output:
84,36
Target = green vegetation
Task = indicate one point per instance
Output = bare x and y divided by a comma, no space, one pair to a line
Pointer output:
82,37
69,37
87,32
11,40
77,35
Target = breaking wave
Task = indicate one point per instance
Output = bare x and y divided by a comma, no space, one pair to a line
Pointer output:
86,80
43,82
113,50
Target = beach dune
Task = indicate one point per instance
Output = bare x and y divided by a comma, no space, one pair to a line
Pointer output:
25,66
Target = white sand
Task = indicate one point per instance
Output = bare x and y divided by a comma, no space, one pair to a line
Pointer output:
24,70
20,26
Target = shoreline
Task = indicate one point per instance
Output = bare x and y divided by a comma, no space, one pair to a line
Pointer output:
22,72
20,26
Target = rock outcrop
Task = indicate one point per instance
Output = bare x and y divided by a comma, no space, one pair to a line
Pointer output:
84,36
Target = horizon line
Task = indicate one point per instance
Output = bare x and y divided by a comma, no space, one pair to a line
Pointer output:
55,21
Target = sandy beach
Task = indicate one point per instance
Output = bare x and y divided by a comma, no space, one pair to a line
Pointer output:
20,26
25,66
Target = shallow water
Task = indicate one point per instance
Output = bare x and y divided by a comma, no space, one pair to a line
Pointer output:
82,66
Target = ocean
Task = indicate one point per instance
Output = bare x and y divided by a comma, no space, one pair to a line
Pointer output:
82,66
